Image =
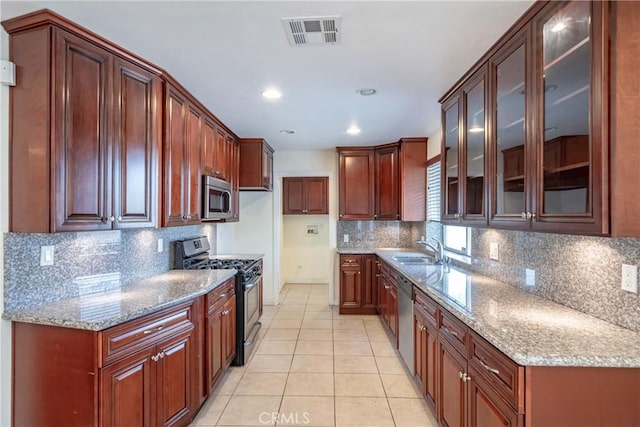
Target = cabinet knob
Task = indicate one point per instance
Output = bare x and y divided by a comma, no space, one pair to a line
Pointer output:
161,354
528,215
375,216
533,215
184,217
460,375
523,215
104,219
119,218
112,218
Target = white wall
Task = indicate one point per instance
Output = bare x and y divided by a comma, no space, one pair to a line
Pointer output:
434,143
252,234
307,163
305,258
5,326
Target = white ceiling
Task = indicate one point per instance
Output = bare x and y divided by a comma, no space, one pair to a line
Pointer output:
226,53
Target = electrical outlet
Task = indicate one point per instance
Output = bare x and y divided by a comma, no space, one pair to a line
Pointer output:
630,278
493,251
345,237
530,276
46,255
160,245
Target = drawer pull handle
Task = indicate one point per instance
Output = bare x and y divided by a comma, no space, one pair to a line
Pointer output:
222,295
489,368
154,330
449,331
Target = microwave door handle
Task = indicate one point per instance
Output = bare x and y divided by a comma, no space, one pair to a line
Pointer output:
228,197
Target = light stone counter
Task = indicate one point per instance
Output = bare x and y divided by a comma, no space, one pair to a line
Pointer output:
531,330
114,305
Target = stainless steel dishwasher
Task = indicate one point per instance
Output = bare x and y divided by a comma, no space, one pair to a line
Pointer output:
405,320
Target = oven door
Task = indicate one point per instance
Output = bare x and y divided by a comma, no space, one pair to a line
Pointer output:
251,305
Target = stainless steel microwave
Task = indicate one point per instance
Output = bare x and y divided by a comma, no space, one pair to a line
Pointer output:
216,200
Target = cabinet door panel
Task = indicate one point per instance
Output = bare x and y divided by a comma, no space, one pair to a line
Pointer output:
357,185
83,94
316,190
419,349
350,287
208,147
194,150
127,387
451,391
229,330
135,146
387,187
510,183
451,160
174,158
175,385
474,148
368,281
431,361
214,357
221,155
486,408
293,196
392,306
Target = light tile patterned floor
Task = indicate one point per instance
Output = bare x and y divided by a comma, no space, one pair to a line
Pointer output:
316,368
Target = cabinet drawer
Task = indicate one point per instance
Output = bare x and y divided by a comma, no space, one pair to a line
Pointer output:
350,260
221,293
453,330
388,272
123,340
506,376
427,305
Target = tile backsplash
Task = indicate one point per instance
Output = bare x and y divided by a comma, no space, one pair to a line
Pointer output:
581,272
86,261
374,234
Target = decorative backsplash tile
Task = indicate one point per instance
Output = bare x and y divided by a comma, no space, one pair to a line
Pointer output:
374,234
86,260
581,272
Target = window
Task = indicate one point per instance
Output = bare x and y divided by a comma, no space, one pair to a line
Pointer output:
433,192
456,239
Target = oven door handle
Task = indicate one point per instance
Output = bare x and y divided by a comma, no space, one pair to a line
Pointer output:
253,284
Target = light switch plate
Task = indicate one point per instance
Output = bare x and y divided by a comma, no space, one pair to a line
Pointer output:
7,73
493,251
530,276
160,245
630,278
346,238
46,255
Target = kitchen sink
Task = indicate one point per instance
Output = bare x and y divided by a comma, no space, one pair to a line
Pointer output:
415,259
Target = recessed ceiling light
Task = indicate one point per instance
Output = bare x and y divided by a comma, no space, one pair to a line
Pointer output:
353,130
271,93
287,131
367,91
476,129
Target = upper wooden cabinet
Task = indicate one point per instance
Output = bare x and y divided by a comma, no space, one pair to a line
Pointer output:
182,153
386,182
305,196
529,146
256,167
84,133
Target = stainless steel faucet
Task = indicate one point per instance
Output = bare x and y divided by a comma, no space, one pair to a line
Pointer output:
438,250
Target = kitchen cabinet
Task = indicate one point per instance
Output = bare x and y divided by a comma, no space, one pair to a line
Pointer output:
79,160
357,284
425,330
217,155
541,94
393,177
389,300
234,174
182,155
451,408
356,183
256,169
486,408
305,196
220,337
142,372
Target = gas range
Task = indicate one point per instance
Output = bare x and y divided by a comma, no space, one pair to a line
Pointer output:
193,254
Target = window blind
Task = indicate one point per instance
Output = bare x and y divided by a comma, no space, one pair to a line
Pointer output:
433,192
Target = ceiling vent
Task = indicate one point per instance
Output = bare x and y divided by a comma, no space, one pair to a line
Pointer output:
312,30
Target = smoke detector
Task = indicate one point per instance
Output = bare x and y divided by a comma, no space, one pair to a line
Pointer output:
312,30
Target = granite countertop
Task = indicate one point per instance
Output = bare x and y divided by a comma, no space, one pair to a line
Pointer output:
348,251
530,330
113,306
237,256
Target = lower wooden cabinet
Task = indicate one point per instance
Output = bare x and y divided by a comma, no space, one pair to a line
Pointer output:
145,372
451,407
220,336
425,355
486,408
357,284
388,300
